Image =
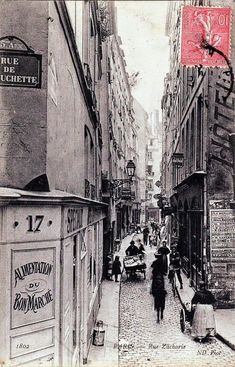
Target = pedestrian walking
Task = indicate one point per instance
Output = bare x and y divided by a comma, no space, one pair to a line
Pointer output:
109,266
151,240
175,263
145,235
157,265
164,251
141,247
116,270
159,294
203,324
138,228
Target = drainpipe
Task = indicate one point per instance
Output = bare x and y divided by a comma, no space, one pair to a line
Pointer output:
232,144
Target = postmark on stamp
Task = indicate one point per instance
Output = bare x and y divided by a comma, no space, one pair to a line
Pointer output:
205,25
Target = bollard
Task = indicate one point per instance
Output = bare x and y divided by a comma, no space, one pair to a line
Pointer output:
98,334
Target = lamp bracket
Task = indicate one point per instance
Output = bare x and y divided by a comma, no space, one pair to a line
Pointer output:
120,181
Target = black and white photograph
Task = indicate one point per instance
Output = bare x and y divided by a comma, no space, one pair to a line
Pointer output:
117,183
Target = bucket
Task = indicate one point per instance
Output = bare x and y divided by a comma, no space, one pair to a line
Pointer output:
98,334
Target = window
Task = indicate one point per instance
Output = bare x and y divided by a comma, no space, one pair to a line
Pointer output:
75,10
187,146
149,170
89,157
192,140
150,185
150,155
199,134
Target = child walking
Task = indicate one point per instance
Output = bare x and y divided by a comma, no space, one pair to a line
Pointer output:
116,268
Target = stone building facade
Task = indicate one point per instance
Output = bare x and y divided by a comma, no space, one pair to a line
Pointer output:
51,236
197,126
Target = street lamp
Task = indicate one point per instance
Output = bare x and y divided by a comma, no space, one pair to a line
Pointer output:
130,167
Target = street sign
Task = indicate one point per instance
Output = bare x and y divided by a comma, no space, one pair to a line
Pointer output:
20,70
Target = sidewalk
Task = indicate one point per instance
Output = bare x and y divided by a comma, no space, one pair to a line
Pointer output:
225,318
107,355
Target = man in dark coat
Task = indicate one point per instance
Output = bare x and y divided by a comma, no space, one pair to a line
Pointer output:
132,250
157,265
175,262
145,235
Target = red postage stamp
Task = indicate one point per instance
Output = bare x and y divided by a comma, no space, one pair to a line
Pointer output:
202,25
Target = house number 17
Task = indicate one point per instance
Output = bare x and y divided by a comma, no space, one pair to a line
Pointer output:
34,223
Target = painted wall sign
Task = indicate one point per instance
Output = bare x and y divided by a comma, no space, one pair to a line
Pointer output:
33,286
222,236
20,70
73,219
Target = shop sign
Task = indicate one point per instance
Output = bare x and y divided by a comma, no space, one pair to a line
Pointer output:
126,194
32,286
222,236
178,159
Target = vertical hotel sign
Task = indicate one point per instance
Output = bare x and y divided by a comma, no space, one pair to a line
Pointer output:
19,65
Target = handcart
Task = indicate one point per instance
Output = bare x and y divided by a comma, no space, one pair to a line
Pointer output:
186,316
133,265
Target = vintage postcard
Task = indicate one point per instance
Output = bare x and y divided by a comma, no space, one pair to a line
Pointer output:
117,183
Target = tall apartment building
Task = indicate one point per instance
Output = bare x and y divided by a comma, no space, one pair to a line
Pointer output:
153,167
121,135
197,126
52,216
141,117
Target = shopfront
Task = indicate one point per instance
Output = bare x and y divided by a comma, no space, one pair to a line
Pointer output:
188,228
51,262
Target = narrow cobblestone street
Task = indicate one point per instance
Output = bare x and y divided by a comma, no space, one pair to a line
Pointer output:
144,342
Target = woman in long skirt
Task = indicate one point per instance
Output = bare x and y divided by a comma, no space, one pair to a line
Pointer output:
159,294
203,324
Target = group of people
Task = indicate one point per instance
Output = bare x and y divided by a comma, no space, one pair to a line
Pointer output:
202,303
131,250
159,271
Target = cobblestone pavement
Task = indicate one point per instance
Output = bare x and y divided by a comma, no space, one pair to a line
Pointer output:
144,342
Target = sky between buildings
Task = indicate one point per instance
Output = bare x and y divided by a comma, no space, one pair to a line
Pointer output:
141,26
